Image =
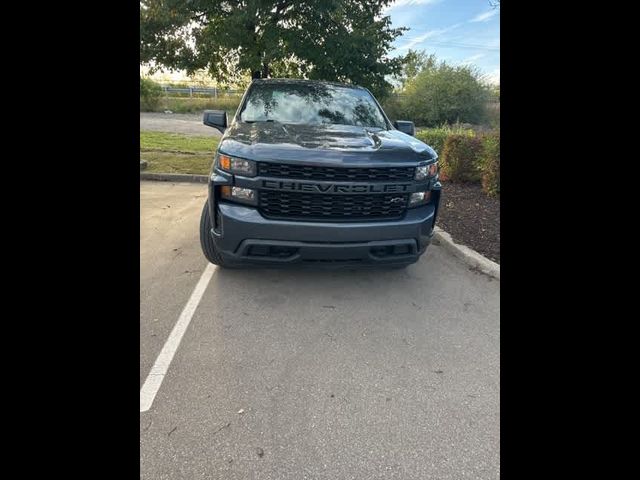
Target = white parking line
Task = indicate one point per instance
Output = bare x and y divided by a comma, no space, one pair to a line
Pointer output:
156,375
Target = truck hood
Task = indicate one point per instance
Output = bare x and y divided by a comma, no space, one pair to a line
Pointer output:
322,144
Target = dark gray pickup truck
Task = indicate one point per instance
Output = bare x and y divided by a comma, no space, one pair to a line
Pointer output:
314,173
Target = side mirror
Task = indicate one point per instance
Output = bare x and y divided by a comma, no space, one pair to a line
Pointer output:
405,127
216,119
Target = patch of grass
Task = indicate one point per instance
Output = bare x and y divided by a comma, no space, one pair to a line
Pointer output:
168,162
177,153
177,143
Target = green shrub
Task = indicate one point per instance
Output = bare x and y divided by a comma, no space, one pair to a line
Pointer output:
435,137
150,94
490,163
460,157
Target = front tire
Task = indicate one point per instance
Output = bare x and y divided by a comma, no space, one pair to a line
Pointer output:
206,239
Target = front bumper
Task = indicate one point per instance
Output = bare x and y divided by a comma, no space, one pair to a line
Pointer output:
242,235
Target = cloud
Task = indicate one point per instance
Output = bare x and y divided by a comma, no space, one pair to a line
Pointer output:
484,17
425,36
403,3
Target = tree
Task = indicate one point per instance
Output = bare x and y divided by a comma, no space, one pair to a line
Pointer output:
412,64
341,40
442,93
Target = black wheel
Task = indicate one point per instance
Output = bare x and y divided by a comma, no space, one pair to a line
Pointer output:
206,241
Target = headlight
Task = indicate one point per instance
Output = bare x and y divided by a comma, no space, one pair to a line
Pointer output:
238,194
419,198
238,166
425,171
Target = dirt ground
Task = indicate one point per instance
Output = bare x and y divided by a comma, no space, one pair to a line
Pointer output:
471,217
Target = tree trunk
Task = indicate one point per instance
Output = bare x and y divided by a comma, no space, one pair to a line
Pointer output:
265,70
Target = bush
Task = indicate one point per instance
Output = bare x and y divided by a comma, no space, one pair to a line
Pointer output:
490,163
150,94
435,137
459,161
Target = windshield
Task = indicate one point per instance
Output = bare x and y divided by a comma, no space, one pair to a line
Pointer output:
311,103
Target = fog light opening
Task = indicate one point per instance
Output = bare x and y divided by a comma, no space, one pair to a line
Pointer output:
419,198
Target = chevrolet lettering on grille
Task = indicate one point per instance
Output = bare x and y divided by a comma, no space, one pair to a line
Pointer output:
311,187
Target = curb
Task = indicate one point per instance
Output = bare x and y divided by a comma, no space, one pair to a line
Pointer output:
174,177
467,255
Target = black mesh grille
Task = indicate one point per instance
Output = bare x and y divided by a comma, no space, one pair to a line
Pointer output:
281,170
313,206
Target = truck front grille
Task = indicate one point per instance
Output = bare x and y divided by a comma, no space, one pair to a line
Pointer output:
386,174
323,207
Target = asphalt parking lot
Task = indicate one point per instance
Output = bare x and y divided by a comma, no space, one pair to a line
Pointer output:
370,374
183,123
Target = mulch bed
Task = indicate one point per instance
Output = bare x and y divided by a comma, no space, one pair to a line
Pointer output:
471,218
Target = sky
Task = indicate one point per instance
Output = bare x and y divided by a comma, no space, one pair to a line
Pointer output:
457,31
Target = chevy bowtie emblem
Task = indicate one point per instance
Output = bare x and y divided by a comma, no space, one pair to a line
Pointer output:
396,200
